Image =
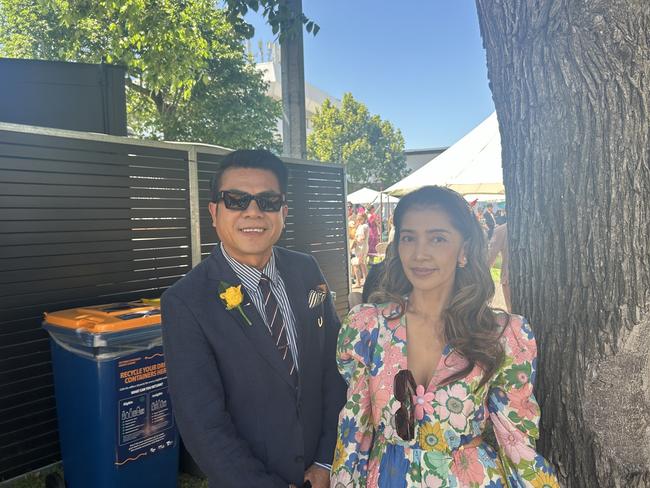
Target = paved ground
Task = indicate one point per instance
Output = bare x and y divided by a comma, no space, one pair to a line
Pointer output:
498,301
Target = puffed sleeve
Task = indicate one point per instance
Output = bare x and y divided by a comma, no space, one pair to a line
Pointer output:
514,411
356,343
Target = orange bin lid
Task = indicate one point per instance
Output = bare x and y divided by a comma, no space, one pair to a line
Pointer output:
113,317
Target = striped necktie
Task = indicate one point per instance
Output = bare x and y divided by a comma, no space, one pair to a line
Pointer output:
276,325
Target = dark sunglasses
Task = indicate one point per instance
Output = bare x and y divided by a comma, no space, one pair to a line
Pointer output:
240,200
404,389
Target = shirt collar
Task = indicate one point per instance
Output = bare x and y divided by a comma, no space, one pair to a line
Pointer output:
249,275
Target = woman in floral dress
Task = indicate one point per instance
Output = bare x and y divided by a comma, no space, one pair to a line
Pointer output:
432,370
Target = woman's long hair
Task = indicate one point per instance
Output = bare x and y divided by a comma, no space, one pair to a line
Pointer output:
470,325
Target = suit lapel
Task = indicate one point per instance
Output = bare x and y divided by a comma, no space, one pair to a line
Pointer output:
257,332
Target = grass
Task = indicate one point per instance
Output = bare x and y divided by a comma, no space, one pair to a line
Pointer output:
495,271
29,481
37,480
496,274
187,481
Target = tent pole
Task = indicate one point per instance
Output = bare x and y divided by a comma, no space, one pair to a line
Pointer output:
381,212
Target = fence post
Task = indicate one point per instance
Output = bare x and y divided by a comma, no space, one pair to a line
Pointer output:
195,211
347,237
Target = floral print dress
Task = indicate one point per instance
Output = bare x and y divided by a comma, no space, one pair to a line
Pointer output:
447,450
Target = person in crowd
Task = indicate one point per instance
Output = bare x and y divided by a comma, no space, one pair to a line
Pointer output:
373,280
499,245
500,216
479,214
490,222
431,368
373,230
360,249
352,229
391,229
249,337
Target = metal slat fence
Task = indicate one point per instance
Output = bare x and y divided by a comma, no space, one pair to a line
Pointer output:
88,219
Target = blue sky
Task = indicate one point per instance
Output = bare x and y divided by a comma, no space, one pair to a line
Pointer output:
417,63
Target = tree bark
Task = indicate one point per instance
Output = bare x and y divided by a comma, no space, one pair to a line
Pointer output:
571,86
294,123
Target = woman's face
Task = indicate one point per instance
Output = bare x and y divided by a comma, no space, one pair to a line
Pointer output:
430,248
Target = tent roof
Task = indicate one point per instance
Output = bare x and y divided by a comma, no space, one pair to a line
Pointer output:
368,195
471,165
482,197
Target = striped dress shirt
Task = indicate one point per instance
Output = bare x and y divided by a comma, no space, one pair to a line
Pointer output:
250,278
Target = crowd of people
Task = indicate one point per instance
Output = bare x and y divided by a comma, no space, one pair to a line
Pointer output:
364,233
489,218
424,385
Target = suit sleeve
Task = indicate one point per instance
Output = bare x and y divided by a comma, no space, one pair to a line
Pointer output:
198,400
334,387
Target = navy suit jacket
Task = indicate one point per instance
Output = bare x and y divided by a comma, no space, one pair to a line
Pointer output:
241,417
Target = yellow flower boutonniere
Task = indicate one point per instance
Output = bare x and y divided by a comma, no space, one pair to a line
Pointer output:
232,297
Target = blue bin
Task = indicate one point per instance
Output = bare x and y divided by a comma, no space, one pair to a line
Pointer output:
116,426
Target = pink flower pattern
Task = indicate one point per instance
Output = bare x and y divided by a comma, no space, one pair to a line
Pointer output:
520,399
467,467
511,439
454,405
423,402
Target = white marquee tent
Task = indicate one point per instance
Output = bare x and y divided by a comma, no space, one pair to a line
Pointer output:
368,195
471,165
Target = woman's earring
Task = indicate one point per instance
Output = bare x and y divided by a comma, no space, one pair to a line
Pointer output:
462,263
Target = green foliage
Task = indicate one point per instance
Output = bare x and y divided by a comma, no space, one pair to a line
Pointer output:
283,20
188,74
371,148
496,274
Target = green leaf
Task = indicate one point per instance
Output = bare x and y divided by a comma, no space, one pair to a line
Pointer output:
514,417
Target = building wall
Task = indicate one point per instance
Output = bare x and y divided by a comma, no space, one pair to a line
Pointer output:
314,97
416,158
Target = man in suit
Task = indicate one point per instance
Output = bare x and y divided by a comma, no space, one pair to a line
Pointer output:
488,216
250,337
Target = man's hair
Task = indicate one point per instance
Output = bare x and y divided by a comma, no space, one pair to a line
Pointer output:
254,159
489,205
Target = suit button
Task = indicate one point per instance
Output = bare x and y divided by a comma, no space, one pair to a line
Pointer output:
300,459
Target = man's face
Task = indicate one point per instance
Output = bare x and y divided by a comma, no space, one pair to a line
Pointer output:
248,235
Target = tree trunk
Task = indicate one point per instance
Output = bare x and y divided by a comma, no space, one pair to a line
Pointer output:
571,85
294,123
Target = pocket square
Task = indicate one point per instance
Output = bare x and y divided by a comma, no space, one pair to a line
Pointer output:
316,297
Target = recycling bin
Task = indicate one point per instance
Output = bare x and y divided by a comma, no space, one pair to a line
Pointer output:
116,426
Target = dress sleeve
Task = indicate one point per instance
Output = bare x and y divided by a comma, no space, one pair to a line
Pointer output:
356,343
514,411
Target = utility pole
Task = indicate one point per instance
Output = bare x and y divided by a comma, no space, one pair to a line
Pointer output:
294,124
